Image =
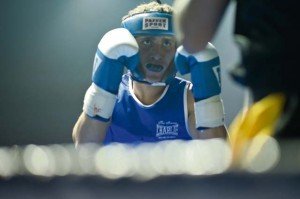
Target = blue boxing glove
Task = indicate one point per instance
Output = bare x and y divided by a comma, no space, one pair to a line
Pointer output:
204,67
117,49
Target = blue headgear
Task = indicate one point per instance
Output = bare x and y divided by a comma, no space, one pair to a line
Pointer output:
153,24
150,23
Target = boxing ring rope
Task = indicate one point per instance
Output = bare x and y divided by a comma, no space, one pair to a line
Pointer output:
143,162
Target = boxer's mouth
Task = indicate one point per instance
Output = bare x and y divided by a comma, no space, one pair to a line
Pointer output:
154,68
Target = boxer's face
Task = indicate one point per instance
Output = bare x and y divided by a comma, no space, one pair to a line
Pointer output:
156,56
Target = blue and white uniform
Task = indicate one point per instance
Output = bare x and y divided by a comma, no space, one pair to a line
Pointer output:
165,119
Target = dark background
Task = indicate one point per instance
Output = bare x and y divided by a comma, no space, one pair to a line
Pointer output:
46,54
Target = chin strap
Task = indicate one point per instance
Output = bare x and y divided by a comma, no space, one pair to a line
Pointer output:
167,80
151,83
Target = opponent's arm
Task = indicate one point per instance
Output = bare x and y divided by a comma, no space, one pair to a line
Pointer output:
196,21
117,48
205,106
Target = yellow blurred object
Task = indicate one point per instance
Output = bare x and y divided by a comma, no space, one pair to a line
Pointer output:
259,119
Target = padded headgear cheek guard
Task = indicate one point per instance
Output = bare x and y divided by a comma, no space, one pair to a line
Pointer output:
150,24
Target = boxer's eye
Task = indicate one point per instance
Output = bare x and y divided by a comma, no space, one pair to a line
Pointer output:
147,42
168,43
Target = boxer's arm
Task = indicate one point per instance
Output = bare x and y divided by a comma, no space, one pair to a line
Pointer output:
196,21
88,130
215,132
205,105
117,49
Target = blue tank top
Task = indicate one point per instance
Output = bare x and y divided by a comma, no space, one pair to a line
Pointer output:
134,122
